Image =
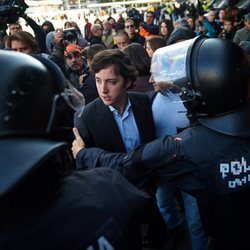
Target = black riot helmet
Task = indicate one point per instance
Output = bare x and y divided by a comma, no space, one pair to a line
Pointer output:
34,98
211,74
33,95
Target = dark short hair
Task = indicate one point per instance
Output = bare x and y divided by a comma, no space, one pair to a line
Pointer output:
91,50
123,65
156,42
139,56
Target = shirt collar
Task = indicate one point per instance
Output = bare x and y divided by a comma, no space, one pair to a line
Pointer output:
113,110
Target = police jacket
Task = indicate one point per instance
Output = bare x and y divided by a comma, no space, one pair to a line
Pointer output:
96,209
211,164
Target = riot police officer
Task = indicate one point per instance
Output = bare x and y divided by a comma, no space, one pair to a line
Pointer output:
43,204
210,159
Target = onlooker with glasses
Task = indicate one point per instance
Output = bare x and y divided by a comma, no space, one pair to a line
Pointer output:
148,28
134,36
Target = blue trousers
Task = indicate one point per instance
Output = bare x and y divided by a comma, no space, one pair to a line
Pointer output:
166,201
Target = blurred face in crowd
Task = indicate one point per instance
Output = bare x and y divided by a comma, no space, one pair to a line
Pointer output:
75,61
112,87
14,27
99,32
228,26
247,24
156,86
46,28
163,29
130,27
122,42
68,25
21,46
222,14
211,16
159,86
149,50
106,25
190,23
150,18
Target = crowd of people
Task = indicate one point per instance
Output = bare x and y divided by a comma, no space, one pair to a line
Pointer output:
113,135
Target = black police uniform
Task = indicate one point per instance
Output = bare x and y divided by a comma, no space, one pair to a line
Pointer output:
211,159
210,165
95,209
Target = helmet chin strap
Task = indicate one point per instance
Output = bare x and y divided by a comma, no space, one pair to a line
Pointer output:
187,95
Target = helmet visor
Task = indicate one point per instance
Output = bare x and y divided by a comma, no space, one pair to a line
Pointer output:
74,98
169,69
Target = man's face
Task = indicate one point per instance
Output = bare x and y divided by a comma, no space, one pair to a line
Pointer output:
111,87
211,16
75,61
149,50
228,26
121,42
14,28
247,24
222,14
130,27
21,46
106,26
156,86
149,18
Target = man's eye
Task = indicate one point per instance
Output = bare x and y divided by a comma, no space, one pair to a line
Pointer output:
111,82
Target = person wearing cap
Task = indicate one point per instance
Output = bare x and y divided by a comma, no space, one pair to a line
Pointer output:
74,62
69,58
244,33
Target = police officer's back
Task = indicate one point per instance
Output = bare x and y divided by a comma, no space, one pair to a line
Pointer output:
43,204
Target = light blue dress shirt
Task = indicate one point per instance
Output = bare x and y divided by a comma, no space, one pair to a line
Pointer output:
127,127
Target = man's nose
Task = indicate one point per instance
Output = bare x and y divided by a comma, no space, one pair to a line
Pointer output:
104,88
151,79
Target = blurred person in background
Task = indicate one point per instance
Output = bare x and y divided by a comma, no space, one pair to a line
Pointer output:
87,80
148,28
87,30
166,28
244,33
97,30
121,39
108,34
139,57
154,43
134,36
22,41
228,31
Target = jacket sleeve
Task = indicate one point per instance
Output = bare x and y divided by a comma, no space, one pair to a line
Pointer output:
39,33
